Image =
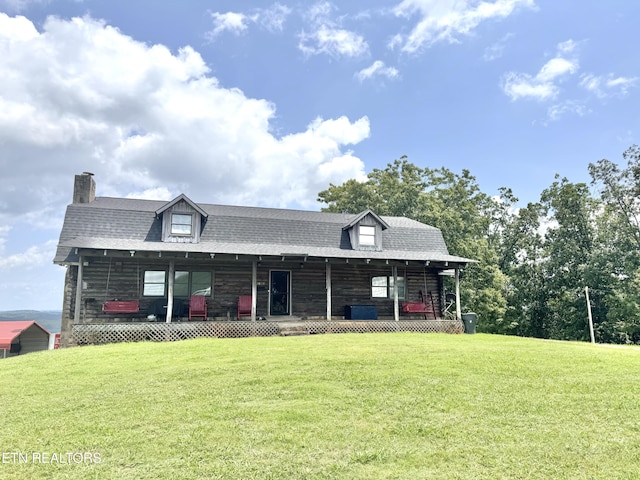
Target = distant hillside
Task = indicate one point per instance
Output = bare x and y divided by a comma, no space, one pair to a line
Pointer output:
48,319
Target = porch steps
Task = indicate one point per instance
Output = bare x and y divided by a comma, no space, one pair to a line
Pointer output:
293,330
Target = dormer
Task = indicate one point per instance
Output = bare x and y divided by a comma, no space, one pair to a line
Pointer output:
182,220
365,231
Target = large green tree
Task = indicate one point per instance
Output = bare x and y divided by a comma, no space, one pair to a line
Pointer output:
569,244
522,261
447,200
619,233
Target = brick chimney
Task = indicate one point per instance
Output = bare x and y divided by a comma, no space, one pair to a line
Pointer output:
84,188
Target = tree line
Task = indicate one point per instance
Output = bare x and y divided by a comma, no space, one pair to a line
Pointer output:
534,262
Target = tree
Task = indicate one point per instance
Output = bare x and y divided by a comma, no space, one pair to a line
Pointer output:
620,189
568,247
523,262
619,234
441,198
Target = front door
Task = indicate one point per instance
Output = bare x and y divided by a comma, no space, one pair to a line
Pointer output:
280,292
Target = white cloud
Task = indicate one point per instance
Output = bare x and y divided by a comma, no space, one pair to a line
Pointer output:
332,41
521,85
605,86
271,19
18,5
157,193
377,68
228,22
555,68
326,35
28,278
81,96
555,112
446,20
34,256
567,47
544,85
495,51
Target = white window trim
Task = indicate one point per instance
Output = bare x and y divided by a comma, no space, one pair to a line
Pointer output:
389,287
364,237
184,234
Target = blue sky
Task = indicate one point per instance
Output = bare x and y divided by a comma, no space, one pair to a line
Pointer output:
266,103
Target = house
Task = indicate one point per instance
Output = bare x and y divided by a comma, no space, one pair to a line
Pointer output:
18,337
136,267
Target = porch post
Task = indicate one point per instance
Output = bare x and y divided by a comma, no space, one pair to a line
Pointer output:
78,304
458,307
396,306
172,268
254,289
328,283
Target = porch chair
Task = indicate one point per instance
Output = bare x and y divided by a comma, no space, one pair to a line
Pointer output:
198,306
244,306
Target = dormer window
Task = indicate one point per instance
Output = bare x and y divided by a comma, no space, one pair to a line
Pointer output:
182,220
365,231
181,224
367,235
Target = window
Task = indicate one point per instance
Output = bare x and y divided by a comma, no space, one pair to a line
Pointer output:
180,224
382,287
186,284
367,235
154,283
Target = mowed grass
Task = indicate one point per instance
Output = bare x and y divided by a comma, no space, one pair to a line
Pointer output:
405,406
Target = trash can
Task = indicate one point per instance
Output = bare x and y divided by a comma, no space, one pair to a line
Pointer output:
470,319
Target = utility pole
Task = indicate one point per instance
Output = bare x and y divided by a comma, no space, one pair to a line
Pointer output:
593,338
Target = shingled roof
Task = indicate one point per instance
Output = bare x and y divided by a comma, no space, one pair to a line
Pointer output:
130,224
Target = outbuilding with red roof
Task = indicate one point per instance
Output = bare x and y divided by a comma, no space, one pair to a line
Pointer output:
20,337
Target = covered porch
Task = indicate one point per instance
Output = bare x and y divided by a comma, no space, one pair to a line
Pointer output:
285,293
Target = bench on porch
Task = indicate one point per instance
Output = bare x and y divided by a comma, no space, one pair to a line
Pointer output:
119,306
424,307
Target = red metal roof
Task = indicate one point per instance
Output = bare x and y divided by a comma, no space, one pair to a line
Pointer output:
9,330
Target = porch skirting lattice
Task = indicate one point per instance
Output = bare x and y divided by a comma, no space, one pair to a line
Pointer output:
167,332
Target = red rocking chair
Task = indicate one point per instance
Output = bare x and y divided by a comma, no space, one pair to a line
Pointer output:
244,306
198,307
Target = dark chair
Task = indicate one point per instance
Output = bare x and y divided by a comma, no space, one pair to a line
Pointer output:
198,307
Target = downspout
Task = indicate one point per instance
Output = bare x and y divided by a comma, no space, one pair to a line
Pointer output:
172,268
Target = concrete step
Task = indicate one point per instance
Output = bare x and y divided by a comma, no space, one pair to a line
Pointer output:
293,330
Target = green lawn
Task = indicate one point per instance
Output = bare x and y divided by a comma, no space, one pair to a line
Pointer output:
405,406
